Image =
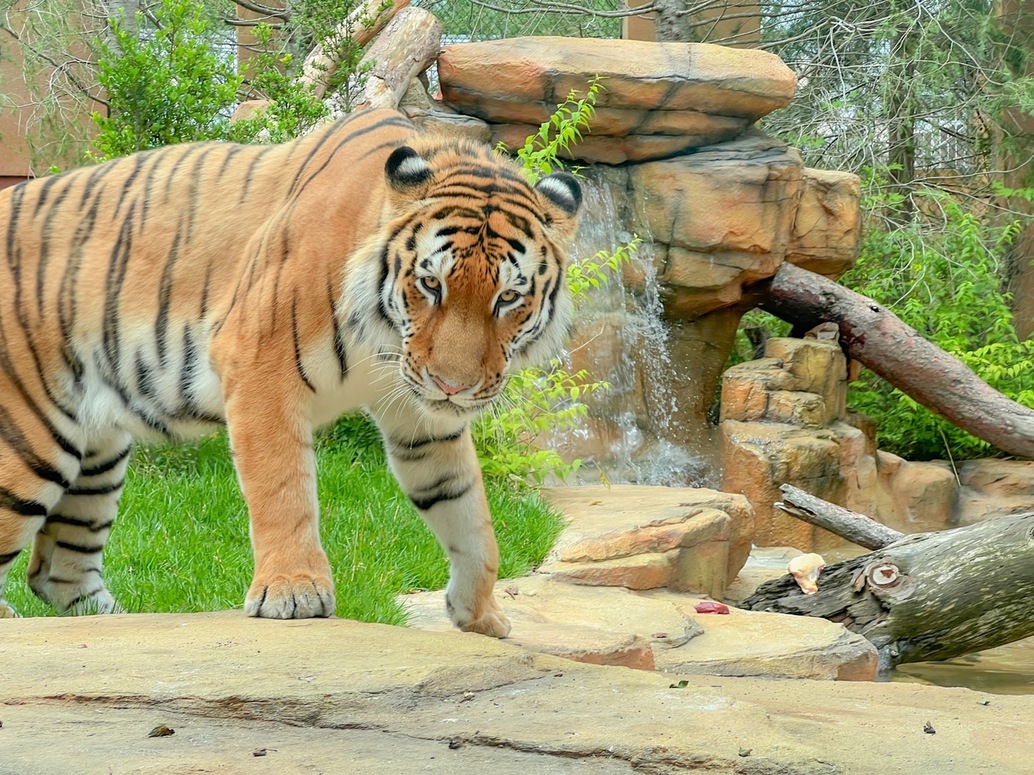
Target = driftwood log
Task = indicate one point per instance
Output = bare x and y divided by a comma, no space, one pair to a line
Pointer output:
856,528
361,25
878,339
927,596
406,47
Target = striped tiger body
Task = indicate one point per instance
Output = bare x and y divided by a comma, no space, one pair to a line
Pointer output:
270,289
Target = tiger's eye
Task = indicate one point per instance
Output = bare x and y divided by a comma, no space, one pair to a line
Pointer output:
508,297
431,284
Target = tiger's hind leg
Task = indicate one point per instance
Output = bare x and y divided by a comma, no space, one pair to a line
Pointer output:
65,569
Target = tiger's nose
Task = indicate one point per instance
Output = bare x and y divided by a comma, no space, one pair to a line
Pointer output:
448,388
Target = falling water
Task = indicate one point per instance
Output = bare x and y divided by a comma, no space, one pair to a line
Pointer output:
621,338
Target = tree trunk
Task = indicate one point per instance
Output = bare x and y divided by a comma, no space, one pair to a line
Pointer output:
929,596
877,338
406,47
361,26
1014,156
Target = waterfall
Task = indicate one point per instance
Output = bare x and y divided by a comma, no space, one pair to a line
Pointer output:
620,337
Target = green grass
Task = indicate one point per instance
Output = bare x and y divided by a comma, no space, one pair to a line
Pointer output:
180,543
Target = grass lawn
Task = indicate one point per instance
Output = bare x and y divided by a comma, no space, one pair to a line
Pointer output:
180,542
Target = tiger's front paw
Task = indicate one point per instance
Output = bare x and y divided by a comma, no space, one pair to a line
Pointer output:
290,597
490,620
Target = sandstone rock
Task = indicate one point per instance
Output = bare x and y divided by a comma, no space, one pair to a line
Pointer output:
651,536
826,229
698,92
432,116
724,215
770,645
781,425
607,625
248,695
993,488
598,148
641,571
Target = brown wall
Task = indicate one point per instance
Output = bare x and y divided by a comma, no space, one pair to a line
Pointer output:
740,32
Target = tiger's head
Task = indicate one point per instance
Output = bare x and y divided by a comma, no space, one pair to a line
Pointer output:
473,272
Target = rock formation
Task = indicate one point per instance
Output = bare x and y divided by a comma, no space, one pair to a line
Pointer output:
719,204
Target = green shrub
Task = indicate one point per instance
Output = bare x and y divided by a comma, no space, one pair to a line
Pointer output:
168,86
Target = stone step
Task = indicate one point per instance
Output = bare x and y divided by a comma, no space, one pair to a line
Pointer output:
660,630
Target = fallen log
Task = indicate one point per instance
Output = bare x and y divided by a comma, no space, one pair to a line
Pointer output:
878,339
856,528
361,25
927,596
406,47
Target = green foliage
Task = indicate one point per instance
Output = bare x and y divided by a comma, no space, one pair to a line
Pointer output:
540,153
167,86
293,107
945,283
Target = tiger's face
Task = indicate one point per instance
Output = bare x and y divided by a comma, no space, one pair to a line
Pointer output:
474,272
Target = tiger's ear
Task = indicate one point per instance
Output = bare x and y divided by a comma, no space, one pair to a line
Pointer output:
408,174
562,197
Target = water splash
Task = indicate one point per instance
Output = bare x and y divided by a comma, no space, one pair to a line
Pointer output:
620,337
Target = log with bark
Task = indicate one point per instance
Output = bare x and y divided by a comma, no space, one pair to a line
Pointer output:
926,596
406,48
877,338
362,25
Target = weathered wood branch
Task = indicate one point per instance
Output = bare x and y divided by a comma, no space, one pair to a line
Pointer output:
406,47
928,596
856,528
879,339
361,25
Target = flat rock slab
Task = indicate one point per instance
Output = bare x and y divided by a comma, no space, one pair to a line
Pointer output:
689,539
241,695
660,630
659,98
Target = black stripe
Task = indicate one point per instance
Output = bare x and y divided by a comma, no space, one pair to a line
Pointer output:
43,187
138,160
12,435
44,251
79,548
64,519
118,265
83,598
424,503
396,121
13,254
63,442
103,468
251,171
26,508
339,342
297,346
416,444
161,322
9,557
104,489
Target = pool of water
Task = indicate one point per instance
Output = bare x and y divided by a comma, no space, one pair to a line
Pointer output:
1004,670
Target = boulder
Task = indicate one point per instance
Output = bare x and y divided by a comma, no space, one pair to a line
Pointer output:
720,218
691,540
695,92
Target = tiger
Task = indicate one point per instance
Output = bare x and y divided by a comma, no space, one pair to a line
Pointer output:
270,289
